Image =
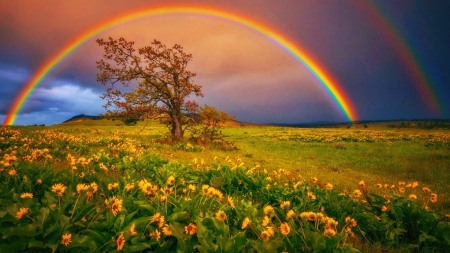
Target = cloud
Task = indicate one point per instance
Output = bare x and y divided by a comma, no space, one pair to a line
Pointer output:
52,105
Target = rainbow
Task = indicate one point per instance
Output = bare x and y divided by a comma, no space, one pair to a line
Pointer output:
326,80
417,74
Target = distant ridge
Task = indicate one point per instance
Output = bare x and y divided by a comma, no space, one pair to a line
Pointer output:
82,117
331,123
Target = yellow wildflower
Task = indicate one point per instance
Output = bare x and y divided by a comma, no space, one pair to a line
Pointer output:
311,196
415,184
329,232
245,223
285,205
161,222
82,187
22,211
290,214
156,234
231,202
116,205
26,195
329,187
205,188
426,189
132,230
192,188
66,239
129,187
266,221
59,189
268,209
351,221
433,197
155,217
362,183
384,208
190,229
39,181
221,215
284,228
167,231
120,242
171,180
112,186
412,197
12,172
266,234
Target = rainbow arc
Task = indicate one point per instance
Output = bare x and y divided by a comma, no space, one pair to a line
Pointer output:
324,78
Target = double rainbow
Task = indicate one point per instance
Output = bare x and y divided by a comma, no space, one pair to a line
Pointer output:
325,79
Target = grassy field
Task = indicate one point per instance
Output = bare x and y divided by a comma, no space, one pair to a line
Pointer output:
357,172
338,155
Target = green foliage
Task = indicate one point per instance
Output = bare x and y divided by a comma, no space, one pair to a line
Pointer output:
93,198
208,125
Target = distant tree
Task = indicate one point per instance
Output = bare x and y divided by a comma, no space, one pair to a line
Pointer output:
163,88
208,125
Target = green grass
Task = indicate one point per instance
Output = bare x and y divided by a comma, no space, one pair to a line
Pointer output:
278,163
343,163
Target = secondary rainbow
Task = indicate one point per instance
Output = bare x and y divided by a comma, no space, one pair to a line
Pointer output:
411,64
329,84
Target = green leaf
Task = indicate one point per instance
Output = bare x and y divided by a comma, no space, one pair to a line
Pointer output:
16,246
425,237
82,241
53,246
130,216
138,247
33,243
28,231
145,205
333,241
236,243
179,216
206,239
119,222
102,238
317,240
51,229
42,216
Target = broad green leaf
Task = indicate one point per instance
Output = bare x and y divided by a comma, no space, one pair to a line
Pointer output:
82,241
333,241
42,216
179,216
33,243
138,247
28,231
119,222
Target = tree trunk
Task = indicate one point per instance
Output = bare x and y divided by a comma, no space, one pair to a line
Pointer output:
177,131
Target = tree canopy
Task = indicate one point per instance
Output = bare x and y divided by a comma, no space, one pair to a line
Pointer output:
164,85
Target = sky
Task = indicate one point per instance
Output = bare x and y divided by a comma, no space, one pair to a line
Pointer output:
390,58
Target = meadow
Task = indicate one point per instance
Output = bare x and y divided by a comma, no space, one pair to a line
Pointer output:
99,186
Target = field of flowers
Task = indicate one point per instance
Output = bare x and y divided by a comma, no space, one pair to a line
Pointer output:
92,190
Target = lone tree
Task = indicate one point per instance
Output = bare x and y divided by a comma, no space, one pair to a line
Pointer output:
163,83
